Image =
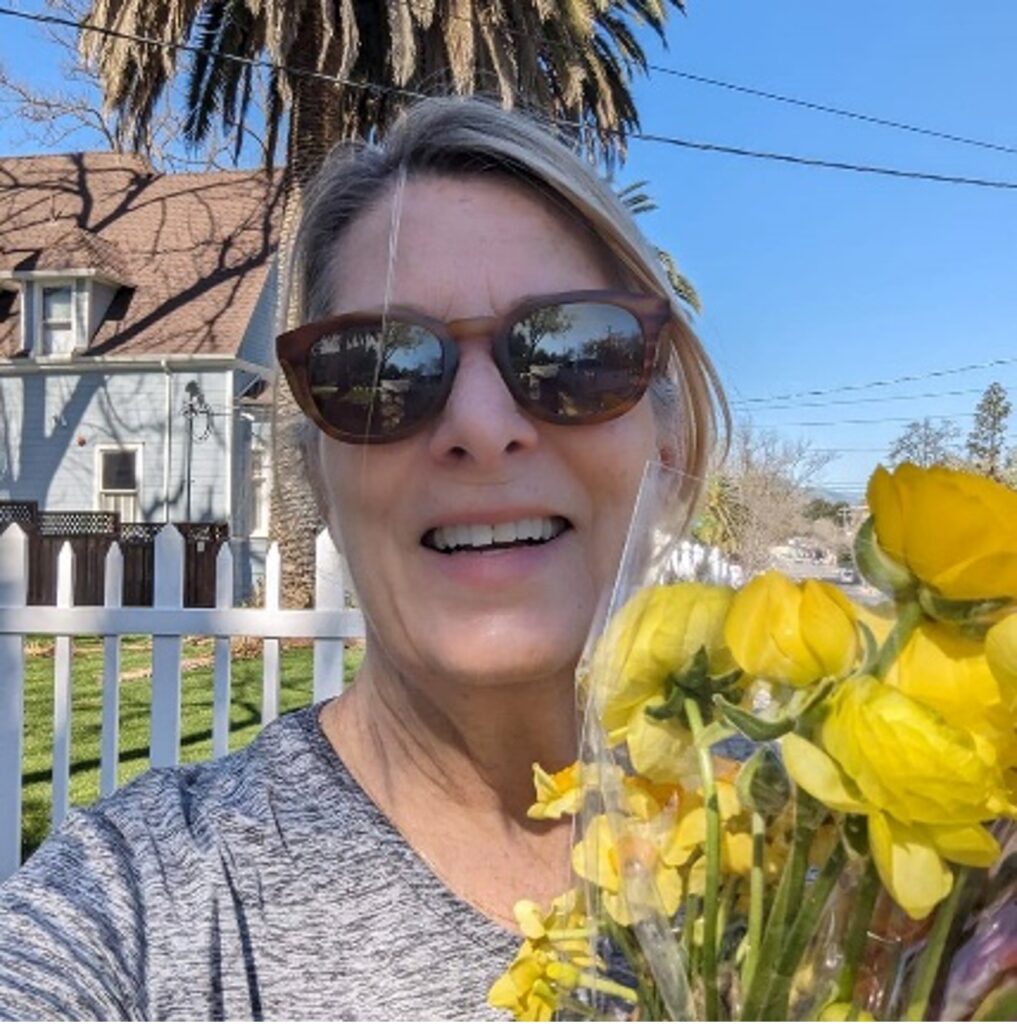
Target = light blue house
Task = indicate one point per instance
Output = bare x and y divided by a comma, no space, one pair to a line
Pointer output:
136,324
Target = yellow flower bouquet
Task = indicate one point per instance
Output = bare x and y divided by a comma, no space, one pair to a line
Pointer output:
789,805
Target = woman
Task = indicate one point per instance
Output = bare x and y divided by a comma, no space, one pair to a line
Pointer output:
488,362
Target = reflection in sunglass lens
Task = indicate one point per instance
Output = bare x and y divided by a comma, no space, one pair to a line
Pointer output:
370,381
577,359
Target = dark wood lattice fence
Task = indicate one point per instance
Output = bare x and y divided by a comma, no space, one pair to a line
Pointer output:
90,535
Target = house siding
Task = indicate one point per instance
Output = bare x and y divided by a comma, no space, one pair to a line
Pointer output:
51,425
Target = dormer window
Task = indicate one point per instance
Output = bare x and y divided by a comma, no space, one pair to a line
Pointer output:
56,327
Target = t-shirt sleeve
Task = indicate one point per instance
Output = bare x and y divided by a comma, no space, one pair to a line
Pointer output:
71,928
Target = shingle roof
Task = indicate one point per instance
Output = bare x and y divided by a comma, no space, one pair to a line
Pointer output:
194,248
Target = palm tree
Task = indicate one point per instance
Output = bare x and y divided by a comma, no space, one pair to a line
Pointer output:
344,69
573,60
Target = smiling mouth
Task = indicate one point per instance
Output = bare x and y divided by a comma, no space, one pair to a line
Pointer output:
529,532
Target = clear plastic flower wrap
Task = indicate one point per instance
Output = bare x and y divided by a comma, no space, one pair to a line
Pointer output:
788,805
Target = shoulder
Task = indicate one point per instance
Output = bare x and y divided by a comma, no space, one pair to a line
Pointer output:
279,775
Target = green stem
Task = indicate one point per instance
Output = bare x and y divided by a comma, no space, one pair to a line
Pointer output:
801,932
928,963
710,895
757,894
909,617
858,931
785,901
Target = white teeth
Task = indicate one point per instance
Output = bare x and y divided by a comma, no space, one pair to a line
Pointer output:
504,533
480,535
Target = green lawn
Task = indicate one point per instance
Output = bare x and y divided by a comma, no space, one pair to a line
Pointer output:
135,699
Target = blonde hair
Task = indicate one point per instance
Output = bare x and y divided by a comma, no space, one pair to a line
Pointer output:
471,136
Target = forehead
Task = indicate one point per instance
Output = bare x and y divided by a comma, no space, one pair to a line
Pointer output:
464,246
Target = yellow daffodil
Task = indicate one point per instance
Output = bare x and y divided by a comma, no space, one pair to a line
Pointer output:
925,785
788,632
524,990
657,634
948,671
615,864
954,531
646,800
688,836
549,963
557,794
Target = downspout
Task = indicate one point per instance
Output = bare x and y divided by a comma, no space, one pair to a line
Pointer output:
230,413
167,443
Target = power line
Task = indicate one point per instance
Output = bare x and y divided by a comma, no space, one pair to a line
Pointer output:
907,379
868,401
838,111
860,422
690,144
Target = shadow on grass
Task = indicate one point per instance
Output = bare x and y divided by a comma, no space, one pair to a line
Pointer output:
37,811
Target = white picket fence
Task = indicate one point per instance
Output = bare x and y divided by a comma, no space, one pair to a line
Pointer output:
329,624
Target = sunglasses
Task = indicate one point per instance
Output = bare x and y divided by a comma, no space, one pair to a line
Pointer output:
574,358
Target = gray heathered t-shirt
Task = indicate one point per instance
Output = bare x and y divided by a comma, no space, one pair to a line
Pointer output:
263,885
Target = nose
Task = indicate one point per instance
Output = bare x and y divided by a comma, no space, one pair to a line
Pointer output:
481,422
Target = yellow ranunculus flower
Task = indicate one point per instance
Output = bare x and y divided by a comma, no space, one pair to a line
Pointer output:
1001,654
950,672
657,633
955,531
601,857
662,751
789,632
905,759
925,785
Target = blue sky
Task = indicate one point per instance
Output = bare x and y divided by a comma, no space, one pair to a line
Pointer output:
815,279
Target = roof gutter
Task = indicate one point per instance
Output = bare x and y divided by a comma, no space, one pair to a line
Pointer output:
24,366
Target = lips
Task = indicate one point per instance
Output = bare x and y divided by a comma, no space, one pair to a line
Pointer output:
480,536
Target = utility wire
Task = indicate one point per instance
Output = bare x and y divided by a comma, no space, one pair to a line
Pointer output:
703,147
908,379
860,422
868,401
838,111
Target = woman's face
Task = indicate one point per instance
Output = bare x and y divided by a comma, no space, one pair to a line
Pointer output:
471,247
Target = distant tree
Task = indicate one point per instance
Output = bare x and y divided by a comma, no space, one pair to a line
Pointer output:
986,444
822,508
756,499
927,442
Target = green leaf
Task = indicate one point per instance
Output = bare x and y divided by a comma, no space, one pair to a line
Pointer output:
750,725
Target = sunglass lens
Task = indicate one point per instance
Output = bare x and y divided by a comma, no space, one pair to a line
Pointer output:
578,360
372,382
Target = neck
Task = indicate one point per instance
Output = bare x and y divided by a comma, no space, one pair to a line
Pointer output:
450,764
455,743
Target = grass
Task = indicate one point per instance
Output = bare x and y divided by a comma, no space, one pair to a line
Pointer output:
135,703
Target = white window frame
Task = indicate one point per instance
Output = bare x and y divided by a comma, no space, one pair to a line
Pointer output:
41,284
139,473
259,508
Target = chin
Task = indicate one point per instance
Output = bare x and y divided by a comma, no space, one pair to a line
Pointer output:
514,659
